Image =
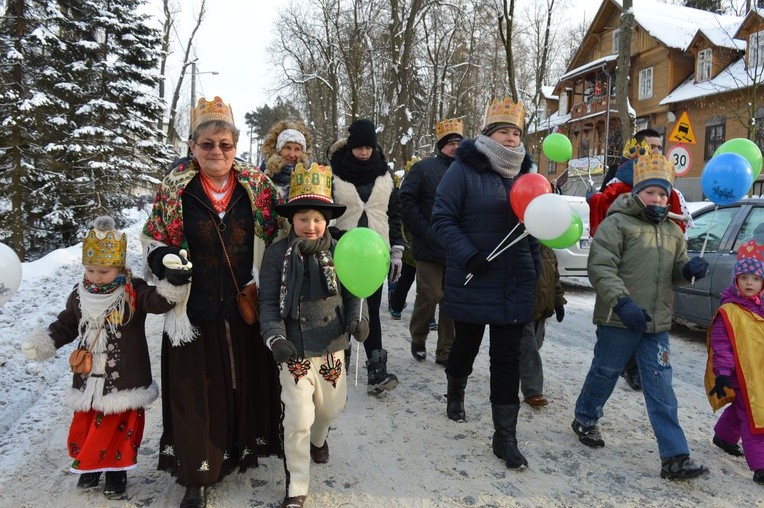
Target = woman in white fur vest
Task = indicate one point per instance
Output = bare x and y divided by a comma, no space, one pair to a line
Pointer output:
364,185
106,314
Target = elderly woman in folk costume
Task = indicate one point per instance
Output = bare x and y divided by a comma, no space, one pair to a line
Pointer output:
220,394
287,143
470,216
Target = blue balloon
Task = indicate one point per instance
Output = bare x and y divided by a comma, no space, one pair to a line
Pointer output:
726,178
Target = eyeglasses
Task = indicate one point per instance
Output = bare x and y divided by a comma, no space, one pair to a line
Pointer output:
208,146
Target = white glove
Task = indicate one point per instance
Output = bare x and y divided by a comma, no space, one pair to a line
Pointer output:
396,264
29,350
177,262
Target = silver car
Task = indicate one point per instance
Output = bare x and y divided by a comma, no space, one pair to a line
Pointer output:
718,233
571,261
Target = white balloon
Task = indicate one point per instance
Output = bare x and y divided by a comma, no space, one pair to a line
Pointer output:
10,273
548,216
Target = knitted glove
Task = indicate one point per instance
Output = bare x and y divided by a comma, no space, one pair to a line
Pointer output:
282,349
696,267
478,264
359,329
633,316
177,268
559,313
396,264
29,350
722,382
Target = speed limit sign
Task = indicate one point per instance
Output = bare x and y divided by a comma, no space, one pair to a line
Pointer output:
681,158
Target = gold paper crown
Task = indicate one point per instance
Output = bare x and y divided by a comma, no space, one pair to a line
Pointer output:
653,166
210,111
103,245
505,111
632,149
413,160
448,126
314,182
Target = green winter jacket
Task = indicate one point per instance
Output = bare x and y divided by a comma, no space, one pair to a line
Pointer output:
631,256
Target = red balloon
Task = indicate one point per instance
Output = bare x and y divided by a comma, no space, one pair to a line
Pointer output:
525,188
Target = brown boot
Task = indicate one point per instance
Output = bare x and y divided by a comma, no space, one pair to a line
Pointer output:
320,454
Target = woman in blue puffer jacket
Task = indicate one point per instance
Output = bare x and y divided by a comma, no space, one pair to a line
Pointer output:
470,216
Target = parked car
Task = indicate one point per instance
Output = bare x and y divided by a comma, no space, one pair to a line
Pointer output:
718,233
572,261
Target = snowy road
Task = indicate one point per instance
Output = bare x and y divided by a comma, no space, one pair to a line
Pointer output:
396,450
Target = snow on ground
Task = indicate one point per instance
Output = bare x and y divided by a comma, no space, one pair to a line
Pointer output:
398,450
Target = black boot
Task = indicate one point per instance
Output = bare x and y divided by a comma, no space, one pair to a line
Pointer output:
195,497
379,379
455,398
505,438
115,484
88,480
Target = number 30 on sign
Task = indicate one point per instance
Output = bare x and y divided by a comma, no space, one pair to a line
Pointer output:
681,158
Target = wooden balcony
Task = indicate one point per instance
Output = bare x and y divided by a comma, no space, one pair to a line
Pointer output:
597,104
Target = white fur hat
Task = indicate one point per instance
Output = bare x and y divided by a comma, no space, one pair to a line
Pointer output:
290,136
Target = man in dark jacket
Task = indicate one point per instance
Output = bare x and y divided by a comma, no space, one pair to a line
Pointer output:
417,195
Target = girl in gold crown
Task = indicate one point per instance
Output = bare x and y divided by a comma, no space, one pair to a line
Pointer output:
106,313
471,215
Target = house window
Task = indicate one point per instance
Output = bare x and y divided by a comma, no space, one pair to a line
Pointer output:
646,83
714,138
563,103
616,39
551,168
756,49
704,66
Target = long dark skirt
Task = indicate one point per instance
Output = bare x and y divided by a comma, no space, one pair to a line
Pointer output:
217,418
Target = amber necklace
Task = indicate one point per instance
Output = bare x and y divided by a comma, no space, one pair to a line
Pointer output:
225,192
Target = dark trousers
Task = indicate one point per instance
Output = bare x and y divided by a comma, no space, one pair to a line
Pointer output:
503,351
374,341
402,287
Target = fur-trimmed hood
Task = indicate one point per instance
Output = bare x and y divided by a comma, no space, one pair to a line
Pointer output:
273,161
468,153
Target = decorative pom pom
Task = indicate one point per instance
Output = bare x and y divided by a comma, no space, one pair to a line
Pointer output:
104,223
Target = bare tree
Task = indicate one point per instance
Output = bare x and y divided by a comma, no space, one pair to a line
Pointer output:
172,131
166,29
506,32
624,70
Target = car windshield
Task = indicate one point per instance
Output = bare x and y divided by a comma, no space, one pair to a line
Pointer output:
709,229
752,228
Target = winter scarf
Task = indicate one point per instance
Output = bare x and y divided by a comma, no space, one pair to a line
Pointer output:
504,161
323,279
356,171
104,307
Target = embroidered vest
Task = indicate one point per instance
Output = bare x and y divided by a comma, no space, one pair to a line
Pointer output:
376,207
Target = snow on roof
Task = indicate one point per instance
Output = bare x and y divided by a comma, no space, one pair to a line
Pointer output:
734,77
588,66
548,92
547,124
722,36
676,25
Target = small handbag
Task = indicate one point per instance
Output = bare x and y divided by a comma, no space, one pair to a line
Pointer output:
81,359
246,299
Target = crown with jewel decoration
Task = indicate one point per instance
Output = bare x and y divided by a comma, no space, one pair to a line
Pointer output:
634,149
653,167
505,111
448,126
103,245
311,188
210,111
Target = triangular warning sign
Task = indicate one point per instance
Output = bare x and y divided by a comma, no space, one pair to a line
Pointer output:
683,132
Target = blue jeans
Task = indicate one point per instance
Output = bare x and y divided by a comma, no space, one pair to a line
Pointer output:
611,352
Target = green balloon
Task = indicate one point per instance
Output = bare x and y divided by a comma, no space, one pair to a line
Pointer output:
362,260
569,237
747,149
557,147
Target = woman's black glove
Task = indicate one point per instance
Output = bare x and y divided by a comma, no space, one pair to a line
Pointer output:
559,312
155,257
177,268
478,264
722,382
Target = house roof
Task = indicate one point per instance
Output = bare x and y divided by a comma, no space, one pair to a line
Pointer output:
734,77
588,67
548,124
548,92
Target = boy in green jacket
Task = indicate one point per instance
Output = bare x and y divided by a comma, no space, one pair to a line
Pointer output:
636,257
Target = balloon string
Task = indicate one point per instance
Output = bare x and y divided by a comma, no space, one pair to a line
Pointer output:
489,258
705,242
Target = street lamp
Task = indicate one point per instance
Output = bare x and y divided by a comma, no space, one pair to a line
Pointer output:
194,74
